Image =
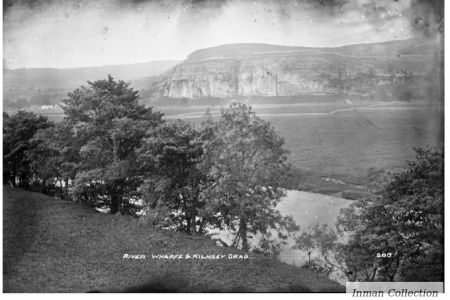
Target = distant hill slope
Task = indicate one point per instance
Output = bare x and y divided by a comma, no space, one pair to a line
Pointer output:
52,245
393,70
47,86
242,50
70,78
248,70
391,48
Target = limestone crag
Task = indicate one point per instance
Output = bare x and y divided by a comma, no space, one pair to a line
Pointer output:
296,71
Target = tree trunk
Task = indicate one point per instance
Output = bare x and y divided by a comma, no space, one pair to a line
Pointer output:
66,185
188,225
61,189
236,239
397,263
13,180
374,273
23,182
193,225
115,203
243,233
202,224
193,213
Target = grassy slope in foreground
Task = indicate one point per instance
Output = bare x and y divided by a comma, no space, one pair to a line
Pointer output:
52,245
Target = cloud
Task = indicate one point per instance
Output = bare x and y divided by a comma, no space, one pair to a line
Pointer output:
97,32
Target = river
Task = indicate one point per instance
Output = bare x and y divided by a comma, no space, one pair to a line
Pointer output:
307,209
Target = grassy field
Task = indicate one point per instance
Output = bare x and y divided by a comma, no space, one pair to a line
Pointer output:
55,246
353,144
347,141
340,145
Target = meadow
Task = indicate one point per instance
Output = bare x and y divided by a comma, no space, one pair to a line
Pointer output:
339,146
354,144
337,149
345,142
51,245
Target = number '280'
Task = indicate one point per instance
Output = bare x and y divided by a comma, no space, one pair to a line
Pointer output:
382,255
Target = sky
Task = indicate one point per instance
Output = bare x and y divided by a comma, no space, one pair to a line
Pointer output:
79,33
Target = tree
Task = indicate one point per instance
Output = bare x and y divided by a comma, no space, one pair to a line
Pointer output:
269,247
246,162
108,123
18,130
19,104
330,248
401,225
170,159
22,103
44,159
54,157
395,234
306,243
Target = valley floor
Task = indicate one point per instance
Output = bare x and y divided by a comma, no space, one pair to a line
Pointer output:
340,146
52,245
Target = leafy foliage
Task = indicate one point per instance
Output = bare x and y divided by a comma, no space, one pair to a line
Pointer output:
404,220
396,234
306,243
226,174
170,160
18,130
247,162
108,123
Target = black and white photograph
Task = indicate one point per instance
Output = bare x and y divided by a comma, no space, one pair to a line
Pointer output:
223,146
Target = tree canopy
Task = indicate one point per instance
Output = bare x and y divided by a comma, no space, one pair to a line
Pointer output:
18,130
247,163
396,234
108,123
404,220
170,160
227,173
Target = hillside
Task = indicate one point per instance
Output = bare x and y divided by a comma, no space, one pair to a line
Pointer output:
73,77
247,70
52,245
393,70
390,49
46,86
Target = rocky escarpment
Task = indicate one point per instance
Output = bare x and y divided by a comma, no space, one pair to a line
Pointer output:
266,70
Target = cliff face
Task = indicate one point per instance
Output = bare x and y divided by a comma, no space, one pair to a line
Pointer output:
263,76
218,72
